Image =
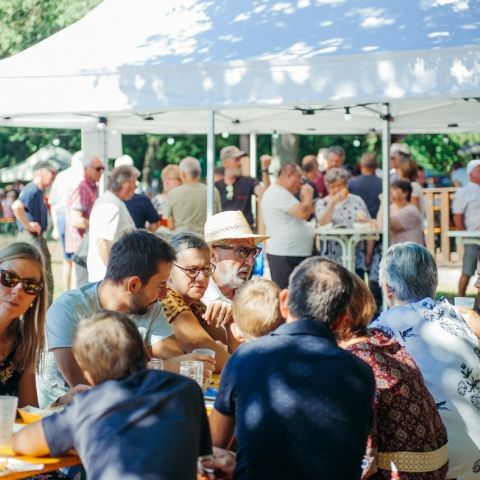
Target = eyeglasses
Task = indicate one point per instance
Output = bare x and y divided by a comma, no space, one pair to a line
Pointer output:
193,273
229,190
98,169
242,252
9,279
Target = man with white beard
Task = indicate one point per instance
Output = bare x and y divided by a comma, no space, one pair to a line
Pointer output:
234,249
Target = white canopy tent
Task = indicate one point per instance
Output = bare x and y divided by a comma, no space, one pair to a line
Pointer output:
178,66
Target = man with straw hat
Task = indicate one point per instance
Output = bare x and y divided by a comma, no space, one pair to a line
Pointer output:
234,250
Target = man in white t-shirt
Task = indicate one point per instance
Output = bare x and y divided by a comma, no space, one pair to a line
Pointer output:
285,217
466,216
109,220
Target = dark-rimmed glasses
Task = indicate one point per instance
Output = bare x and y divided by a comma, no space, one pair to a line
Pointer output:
242,252
98,169
10,280
193,273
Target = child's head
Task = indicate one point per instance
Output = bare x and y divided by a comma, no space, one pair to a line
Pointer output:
256,310
108,346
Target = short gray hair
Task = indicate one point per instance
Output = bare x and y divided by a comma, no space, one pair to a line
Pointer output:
336,174
190,166
337,150
119,175
409,269
79,158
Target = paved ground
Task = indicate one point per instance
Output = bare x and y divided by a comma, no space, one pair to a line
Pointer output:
448,276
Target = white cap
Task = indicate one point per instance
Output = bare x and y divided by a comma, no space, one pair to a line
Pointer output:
472,165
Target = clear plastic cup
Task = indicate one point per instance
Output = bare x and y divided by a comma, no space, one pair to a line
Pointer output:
207,375
192,369
465,302
156,364
8,412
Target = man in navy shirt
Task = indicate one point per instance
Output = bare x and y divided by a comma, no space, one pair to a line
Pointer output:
135,423
32,215
143,212
299,406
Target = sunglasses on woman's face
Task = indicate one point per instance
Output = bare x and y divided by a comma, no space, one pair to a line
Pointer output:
10,280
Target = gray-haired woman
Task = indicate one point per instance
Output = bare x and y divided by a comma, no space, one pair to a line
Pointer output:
442,344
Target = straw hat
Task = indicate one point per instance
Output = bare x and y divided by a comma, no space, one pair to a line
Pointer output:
229,225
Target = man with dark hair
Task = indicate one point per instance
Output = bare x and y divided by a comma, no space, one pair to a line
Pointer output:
314,175
31,213
285,217
128,414
136,278
109,219
307,411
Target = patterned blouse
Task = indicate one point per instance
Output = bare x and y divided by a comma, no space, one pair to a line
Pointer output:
9,375
406,417
173,304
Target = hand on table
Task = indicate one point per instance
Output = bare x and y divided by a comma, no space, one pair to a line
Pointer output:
219,465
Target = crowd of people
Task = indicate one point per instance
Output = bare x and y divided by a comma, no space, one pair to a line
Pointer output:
313,383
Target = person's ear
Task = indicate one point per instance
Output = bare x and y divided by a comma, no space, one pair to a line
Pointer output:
283,303
88,377
339,324
214,257
133,284
389,293
237,333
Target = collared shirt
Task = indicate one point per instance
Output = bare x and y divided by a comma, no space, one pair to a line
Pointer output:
302,405
448,355
82,199
213,294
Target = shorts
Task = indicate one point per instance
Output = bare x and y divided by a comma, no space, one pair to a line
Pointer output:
470,259
61,224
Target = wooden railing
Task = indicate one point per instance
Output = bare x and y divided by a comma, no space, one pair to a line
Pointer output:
438,208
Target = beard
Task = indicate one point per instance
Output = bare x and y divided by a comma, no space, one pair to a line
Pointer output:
138,305
228,276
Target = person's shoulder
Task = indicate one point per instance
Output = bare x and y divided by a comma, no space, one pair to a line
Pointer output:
74,298
247,180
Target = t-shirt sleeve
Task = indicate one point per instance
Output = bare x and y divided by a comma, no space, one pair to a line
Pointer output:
151,214
27,196
155,328
225,401
173,305
59,429
459,203
61,324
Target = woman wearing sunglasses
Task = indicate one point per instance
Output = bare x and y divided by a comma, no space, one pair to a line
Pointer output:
22,320
183,307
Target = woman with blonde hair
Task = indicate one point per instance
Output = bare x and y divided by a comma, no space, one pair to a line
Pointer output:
170,179
23,294
408,431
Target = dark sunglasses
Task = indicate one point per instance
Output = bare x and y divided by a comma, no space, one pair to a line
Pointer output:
10,280
242,252
99,169
193,273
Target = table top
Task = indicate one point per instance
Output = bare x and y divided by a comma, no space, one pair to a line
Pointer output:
49,464
464,233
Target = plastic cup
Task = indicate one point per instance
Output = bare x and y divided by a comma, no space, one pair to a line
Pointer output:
207,377
8,412
192,369
156,364
465,302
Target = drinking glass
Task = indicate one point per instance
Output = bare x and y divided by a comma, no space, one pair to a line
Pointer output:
192,369
8,412
207,374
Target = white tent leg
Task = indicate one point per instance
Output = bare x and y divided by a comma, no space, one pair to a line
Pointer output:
210,162
253,154
386,177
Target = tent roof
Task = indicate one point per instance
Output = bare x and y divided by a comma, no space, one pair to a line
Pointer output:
253,62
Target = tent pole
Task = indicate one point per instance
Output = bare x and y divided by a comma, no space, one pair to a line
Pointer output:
253,154
210,162
386,117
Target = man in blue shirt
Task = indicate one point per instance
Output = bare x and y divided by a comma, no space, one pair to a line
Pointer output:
32,215
299,406
143,212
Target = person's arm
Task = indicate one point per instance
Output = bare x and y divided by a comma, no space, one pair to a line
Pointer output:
19,210
303,209
265,162
415,201
30,440
78,220
191,335
104,247
68,366
27,389
221,428
459,221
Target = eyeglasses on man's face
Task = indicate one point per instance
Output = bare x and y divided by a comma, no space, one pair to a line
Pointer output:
193,272
10,280
98,169
241,252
